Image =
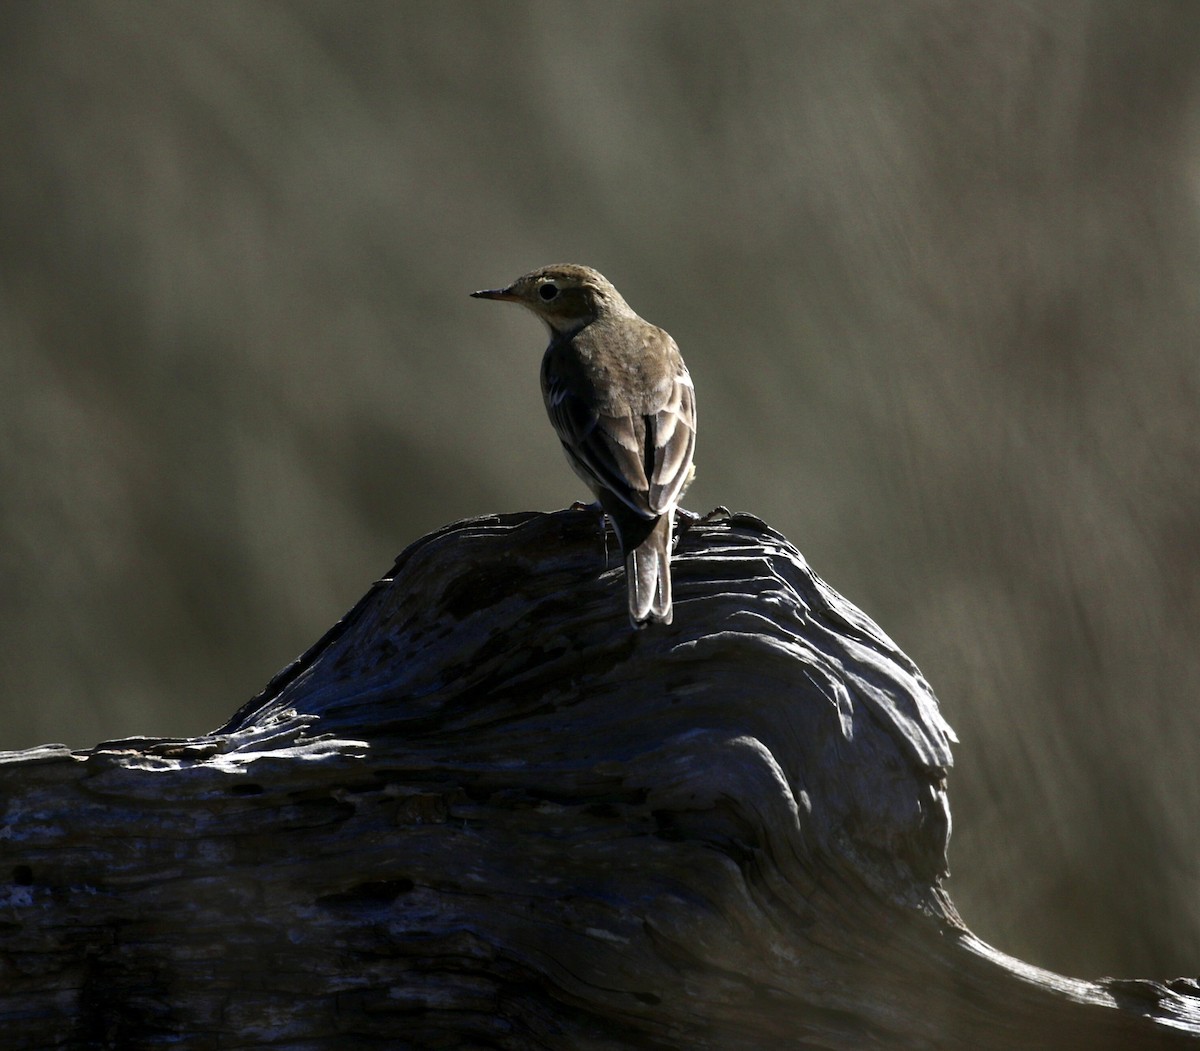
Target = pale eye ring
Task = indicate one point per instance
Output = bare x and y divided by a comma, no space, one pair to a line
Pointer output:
547,290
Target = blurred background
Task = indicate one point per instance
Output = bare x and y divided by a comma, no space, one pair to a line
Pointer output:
934,266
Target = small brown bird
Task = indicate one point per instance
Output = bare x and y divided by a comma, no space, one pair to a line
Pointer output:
622,402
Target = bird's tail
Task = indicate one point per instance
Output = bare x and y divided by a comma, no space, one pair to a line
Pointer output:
648,574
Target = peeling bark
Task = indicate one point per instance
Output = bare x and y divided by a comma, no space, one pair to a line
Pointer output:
484,812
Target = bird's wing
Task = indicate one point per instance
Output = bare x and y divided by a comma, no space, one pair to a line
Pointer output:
671,434
606,451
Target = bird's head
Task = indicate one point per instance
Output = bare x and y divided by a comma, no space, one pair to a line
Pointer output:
565,296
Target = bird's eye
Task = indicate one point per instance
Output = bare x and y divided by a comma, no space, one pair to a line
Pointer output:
548,291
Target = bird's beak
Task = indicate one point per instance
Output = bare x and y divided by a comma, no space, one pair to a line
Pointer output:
496,293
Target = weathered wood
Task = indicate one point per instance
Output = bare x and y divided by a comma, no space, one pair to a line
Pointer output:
483,812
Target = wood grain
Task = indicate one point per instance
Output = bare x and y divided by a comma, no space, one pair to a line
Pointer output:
483,812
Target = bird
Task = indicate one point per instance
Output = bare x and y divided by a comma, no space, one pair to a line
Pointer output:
624,407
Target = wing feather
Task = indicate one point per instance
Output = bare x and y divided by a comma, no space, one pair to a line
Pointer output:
643,458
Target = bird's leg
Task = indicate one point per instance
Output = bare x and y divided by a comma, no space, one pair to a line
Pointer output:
603,533
684,520
596,506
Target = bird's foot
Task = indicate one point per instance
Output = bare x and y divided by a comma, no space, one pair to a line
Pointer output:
687,519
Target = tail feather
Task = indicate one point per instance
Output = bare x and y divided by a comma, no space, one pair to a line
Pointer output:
648,574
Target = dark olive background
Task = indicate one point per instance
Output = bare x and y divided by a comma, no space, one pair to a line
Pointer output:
935,267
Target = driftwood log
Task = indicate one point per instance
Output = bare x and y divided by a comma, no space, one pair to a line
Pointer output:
483,812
